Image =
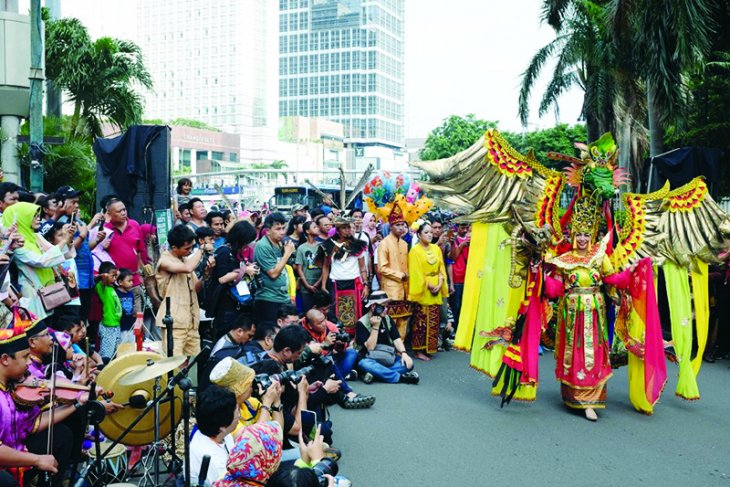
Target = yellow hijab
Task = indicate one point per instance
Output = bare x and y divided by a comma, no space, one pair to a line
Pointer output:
23,213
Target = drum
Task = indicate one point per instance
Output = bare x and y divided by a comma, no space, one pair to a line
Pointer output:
114,424
113,466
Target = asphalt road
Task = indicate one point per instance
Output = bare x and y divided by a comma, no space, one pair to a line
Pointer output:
448,431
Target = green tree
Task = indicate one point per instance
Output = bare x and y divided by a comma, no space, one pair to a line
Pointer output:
277,165
70,164
668,41
102,78
581,50
561,138
455,134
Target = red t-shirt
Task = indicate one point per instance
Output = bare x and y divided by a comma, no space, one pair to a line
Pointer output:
459,266
125,246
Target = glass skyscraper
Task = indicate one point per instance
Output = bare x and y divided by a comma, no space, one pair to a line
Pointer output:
343,60
208,60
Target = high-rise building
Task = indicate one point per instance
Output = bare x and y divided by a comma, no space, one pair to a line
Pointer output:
211,60
343,60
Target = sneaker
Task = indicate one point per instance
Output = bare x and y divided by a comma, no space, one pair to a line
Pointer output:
333,453
360,401
368,378
411,377
352,375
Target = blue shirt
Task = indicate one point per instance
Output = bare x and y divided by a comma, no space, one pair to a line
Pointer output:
84,259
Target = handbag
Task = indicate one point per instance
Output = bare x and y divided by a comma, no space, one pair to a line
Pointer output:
382,354
241,293
54,296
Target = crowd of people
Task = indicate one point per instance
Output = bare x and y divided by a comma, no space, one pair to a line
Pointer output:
296,309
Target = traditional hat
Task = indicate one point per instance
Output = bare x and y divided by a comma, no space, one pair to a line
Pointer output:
584,218
341,221
232,375
13,340
396,216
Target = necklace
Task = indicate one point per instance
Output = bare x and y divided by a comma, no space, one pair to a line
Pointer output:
430,256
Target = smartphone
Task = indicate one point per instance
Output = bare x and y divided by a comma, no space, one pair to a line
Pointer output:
309,424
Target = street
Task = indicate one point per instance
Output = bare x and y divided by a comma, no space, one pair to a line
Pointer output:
448,430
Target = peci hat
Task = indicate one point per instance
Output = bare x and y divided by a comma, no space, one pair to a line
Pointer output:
232,375
377,297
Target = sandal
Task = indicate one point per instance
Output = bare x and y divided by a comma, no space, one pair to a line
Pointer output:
360,401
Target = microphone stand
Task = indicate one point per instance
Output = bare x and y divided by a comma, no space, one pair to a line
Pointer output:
96,413
168,322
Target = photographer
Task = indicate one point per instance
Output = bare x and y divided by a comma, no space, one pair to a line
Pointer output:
383,355
288,345
230,269
331,340
229,345
326,369
263,342
272,255
313,469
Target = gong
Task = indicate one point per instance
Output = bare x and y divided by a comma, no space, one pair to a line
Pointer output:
114,424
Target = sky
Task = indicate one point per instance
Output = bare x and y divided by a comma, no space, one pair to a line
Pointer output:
461,57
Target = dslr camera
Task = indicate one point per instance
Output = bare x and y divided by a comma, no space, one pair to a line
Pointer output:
263,381
378,310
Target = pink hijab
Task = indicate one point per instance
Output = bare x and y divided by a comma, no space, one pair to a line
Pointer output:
369,217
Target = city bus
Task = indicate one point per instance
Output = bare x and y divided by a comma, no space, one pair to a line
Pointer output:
287,196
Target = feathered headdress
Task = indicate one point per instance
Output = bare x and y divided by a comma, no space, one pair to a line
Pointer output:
395,199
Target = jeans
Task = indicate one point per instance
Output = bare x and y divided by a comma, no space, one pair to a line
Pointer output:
345,360
391,374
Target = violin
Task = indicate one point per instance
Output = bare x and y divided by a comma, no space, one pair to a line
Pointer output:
35,392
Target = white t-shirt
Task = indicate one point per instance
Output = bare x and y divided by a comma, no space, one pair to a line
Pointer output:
200,446
345,270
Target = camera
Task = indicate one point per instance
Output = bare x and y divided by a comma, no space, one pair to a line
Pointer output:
378,310
263,381
326,466
342,335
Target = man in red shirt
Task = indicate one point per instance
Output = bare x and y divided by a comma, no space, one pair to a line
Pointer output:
126,247
459,254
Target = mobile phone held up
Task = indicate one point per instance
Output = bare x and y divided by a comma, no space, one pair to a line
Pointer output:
309,423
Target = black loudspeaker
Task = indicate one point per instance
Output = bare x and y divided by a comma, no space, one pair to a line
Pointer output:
136,167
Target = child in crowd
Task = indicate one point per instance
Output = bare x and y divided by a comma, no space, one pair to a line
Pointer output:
111,315
130,308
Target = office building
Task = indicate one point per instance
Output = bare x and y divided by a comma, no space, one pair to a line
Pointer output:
343,60
212,61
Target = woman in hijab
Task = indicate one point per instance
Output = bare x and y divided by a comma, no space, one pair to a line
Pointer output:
37,258
255,457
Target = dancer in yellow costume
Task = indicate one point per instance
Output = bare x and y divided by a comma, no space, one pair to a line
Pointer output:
511,198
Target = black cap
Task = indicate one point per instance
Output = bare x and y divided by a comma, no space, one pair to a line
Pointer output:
66,192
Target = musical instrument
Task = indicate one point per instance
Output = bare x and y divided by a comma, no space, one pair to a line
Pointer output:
153,369
110,378
35,392
114,466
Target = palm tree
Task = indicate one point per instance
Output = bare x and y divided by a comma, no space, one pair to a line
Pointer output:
101,78
668,39
277,164
583,56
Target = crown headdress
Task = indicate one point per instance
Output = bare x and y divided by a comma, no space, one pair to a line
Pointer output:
585,217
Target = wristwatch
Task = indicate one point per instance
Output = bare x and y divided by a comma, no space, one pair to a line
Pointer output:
279,408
